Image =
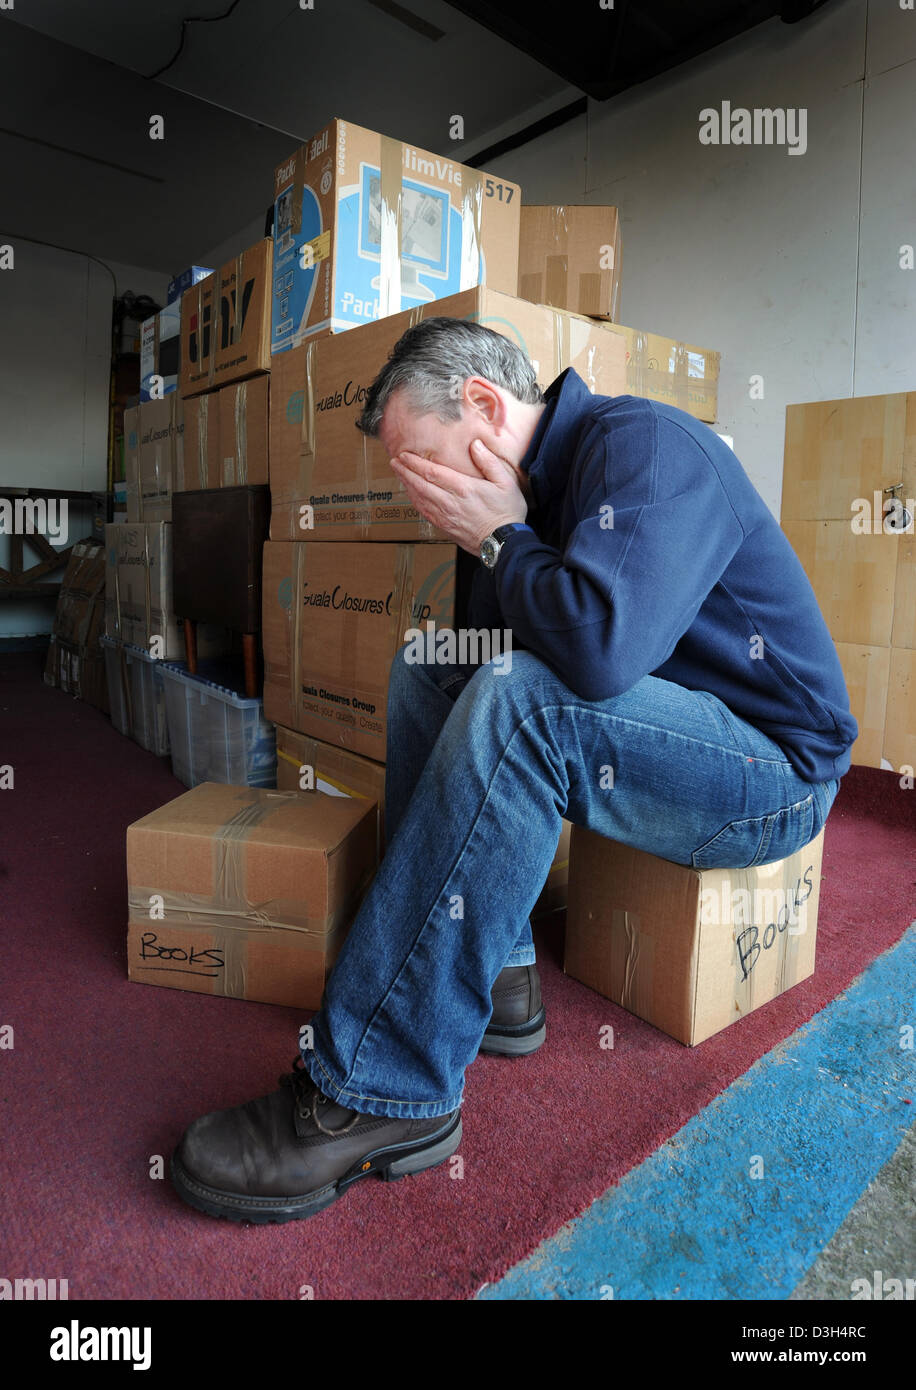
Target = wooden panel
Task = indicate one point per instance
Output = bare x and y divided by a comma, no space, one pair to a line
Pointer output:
837,451
900,731
853,576
866,670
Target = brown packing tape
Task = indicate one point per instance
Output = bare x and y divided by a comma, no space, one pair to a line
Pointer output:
391,163
307,445
589,289
633,964
300,555
637,365
241,435
531,287
127,688
404,583
147,593
203,442
556,277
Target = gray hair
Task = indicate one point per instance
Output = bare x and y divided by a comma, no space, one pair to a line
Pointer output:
432,361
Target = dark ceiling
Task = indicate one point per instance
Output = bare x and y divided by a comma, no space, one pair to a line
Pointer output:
605,46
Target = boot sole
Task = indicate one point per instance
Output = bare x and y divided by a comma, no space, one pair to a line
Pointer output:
383,1163
516,1042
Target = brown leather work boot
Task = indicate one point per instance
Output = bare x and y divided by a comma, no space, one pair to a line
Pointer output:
294,1152
517,1025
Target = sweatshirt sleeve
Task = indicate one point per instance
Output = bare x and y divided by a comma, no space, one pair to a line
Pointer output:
612,606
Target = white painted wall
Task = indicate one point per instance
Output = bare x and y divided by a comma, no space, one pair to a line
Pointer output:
765,256
55,350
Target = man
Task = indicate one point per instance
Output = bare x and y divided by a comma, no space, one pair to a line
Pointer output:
672,685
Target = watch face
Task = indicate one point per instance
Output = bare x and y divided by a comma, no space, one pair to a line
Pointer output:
489,551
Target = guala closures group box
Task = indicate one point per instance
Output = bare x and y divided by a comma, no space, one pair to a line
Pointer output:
334,615
365,226
328,481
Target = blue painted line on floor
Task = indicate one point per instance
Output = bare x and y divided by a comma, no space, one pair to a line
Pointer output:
822,1113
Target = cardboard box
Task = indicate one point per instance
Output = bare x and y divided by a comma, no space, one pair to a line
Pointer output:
160,353
323,471
131,459
244,417
571,257
689,950
674,373
200,466
157,460
308,764
334,615
179,283
225,322
199,332
365,226
243,345
138,588
75,662
245,892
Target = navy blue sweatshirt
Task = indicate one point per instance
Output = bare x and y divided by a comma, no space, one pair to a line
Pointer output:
675,582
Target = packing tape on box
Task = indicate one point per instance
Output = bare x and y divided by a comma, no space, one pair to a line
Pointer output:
391,163
240,418
203,440
297,606
631,962
471,217
306,470
325,776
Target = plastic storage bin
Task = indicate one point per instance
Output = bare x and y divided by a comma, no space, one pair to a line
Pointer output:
217,735
136,694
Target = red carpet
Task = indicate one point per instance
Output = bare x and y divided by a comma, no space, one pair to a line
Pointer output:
106,1074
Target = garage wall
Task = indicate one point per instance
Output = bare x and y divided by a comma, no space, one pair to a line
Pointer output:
787,264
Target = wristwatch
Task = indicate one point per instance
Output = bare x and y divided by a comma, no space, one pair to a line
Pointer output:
491,545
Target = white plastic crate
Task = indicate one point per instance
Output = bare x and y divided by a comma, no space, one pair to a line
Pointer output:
217,735
136,694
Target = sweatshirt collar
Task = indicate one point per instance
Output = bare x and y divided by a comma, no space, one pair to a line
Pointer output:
547,460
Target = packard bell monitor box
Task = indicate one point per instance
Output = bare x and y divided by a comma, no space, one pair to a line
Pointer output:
365,226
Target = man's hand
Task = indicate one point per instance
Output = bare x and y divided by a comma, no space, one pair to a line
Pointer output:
466,508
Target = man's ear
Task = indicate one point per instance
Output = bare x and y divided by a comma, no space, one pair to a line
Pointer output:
484,399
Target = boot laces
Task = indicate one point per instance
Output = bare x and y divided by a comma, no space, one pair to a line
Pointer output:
308,1097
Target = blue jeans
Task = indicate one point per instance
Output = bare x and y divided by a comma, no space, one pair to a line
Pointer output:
482,765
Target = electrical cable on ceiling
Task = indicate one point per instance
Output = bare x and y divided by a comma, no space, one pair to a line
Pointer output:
53,246
192,19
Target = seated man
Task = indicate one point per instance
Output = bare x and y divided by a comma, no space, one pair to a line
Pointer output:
672,685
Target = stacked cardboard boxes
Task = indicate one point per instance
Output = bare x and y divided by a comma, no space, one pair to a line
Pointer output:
75,660
571,257
277,350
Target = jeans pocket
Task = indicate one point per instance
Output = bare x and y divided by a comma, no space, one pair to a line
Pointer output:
756,840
